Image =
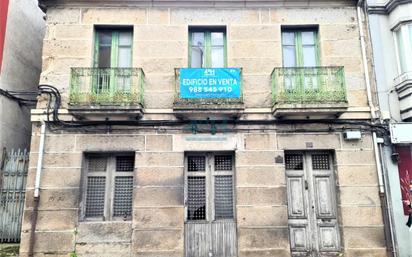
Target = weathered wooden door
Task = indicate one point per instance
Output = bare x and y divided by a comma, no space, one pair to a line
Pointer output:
210,227
312,211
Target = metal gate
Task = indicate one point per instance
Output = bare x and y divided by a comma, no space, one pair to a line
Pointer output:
210,227
13,170
312,211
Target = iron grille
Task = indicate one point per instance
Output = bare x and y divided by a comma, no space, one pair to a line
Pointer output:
196,198
223,197
97,164
294,161
196,163
223,162
95,196
123,196
320,161
124,163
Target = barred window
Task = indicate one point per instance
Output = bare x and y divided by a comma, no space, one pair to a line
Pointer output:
209,187
108,187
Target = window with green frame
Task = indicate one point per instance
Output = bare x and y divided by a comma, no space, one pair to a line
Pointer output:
207,48
112,49
300,48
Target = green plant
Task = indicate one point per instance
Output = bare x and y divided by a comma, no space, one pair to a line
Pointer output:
74,253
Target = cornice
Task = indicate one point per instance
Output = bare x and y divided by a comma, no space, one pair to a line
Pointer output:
387,8
196,3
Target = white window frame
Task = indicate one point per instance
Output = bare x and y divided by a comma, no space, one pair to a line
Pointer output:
110,174
403,28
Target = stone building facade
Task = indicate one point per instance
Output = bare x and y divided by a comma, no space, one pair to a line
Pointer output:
271,173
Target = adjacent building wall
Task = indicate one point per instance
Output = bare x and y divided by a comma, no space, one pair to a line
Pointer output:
21,66
386,68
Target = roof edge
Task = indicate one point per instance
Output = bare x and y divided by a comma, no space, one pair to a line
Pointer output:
387,8
198,3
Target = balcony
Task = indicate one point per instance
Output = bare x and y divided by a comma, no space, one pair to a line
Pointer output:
403,87
211,93
308,92
106,93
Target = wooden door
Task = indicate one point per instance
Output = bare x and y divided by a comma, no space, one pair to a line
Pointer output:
210,227
312,211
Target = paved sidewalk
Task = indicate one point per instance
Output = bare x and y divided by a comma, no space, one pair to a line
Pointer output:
9,250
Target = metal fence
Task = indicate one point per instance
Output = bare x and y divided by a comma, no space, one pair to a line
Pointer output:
106,86
308,85
13,174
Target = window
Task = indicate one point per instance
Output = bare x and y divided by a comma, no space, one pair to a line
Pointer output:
113,49
209,187
207,48
403,38
300,48
301,55
108,187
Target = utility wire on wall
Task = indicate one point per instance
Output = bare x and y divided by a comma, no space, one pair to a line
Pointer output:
216,126
15,96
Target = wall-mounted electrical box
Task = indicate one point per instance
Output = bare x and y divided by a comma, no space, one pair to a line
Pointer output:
352,135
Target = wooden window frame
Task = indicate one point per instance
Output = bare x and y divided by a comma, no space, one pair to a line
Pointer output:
208,44
110,174
114,51
299,45
210,174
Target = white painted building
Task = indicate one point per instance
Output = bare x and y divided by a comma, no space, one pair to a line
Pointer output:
391,35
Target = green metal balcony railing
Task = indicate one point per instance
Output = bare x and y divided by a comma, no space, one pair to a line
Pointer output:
214,89
308,85
106,86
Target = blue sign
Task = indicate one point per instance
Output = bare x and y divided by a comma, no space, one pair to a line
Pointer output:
210,83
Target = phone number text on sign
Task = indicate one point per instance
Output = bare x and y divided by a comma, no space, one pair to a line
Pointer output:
210,83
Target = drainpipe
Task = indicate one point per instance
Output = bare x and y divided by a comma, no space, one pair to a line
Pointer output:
36,195
365,60
382,186
369,93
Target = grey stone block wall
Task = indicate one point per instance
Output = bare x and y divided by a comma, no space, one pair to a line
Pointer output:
156,228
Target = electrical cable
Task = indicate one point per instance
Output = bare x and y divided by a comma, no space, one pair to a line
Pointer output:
22,101
54,123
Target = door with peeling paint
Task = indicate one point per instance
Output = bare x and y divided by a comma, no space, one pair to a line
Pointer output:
312,210
210,227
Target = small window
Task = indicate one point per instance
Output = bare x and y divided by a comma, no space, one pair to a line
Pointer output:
300,48
207,48
108,187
